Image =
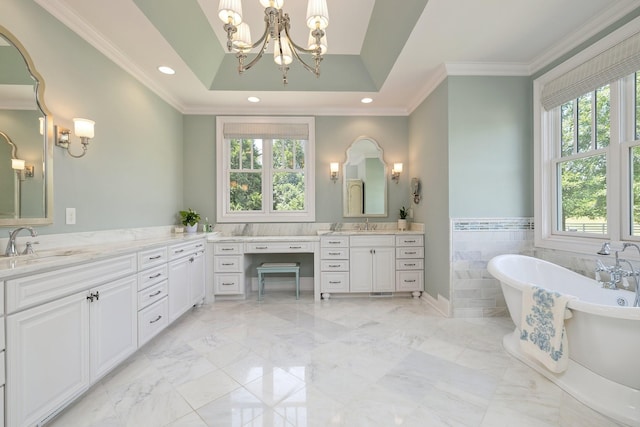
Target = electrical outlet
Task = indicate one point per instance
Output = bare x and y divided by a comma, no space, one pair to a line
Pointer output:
71,216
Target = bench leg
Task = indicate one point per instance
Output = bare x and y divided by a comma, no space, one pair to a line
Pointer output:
260,286
297,285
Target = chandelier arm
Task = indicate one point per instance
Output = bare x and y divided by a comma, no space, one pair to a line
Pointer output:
257,58
316,55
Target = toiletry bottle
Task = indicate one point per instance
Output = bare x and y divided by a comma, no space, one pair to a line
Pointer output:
205,227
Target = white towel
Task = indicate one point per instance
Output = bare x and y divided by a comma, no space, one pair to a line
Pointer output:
542,327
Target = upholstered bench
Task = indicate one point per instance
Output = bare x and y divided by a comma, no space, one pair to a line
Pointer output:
278,267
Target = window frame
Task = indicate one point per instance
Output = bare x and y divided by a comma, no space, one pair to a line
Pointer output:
266,215
546,127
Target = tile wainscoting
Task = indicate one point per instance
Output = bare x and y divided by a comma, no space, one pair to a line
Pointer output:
474,292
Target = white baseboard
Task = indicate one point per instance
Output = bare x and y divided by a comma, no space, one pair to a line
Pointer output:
441,304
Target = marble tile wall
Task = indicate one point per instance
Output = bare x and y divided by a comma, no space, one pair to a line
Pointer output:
474,292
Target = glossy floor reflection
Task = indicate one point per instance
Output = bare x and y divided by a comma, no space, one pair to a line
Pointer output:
344,362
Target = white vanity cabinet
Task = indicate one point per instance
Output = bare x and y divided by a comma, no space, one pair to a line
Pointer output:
410,263
65,329
228,269
334,264
186,277
372,263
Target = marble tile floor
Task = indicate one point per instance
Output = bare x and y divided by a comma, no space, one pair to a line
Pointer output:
343,362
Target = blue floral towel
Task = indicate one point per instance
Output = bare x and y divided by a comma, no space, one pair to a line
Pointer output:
542,327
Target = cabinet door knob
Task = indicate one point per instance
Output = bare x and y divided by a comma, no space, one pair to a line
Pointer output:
90,297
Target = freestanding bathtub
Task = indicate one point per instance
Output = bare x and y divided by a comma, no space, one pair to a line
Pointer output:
603,335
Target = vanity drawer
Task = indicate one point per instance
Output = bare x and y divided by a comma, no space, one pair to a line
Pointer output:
409,264
40,288
152,294
334,241
151,257
337,265
371,241
410,252
152,276
334,253
152,320
334,282
227,283
411,240
409,280
227,248
278,247
227,264
185,249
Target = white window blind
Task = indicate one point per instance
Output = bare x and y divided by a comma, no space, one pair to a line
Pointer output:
266,131
614,63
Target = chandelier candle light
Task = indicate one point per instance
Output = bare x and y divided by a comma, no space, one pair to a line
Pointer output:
277,28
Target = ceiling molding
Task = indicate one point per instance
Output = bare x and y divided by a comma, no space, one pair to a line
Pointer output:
68,17
437,77
613,14
329,111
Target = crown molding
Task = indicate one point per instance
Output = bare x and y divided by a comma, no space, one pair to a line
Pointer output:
487,69
74,22
329,111
612,15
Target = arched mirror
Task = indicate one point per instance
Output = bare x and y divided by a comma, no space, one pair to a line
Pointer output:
364,180
25,131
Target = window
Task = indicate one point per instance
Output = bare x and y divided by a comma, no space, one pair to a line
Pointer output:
265,169
587,147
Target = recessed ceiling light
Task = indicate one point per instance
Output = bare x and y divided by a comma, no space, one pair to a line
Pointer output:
366,100
166,70
253,99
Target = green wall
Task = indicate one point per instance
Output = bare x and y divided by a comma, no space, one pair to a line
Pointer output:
132,175
429,154
333,136
490,147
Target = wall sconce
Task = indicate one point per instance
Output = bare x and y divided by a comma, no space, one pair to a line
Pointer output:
21,169
334,167
83,128
396,171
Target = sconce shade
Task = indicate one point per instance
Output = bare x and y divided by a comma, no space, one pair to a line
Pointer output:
83,128
334,167
397,167
230,10
17,164
317,14
242,38
272,3
41,119
285,57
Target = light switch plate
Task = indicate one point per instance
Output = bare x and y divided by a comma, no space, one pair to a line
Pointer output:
70,216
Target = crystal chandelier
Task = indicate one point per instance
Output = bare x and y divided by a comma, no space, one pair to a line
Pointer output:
277,28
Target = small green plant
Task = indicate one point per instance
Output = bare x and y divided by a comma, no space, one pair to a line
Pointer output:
403,213
189,217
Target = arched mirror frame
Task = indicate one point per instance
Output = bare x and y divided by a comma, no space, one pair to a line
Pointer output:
345,197
47,145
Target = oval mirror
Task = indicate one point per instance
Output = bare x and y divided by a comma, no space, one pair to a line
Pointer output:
364,180
25,132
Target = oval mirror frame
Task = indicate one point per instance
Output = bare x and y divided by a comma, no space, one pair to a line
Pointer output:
47,143
364,196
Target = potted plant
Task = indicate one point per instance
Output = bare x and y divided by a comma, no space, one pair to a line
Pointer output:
190,219
402,222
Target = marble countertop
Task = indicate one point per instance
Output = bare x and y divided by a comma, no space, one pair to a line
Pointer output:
223,238
50,259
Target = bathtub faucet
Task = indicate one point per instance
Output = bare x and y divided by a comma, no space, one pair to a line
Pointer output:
636,302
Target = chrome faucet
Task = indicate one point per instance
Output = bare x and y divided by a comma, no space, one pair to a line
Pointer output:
636,302
11,245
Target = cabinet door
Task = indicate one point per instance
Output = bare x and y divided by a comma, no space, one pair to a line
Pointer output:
384,270
196,278
47,358
361,273
114,324
179,301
